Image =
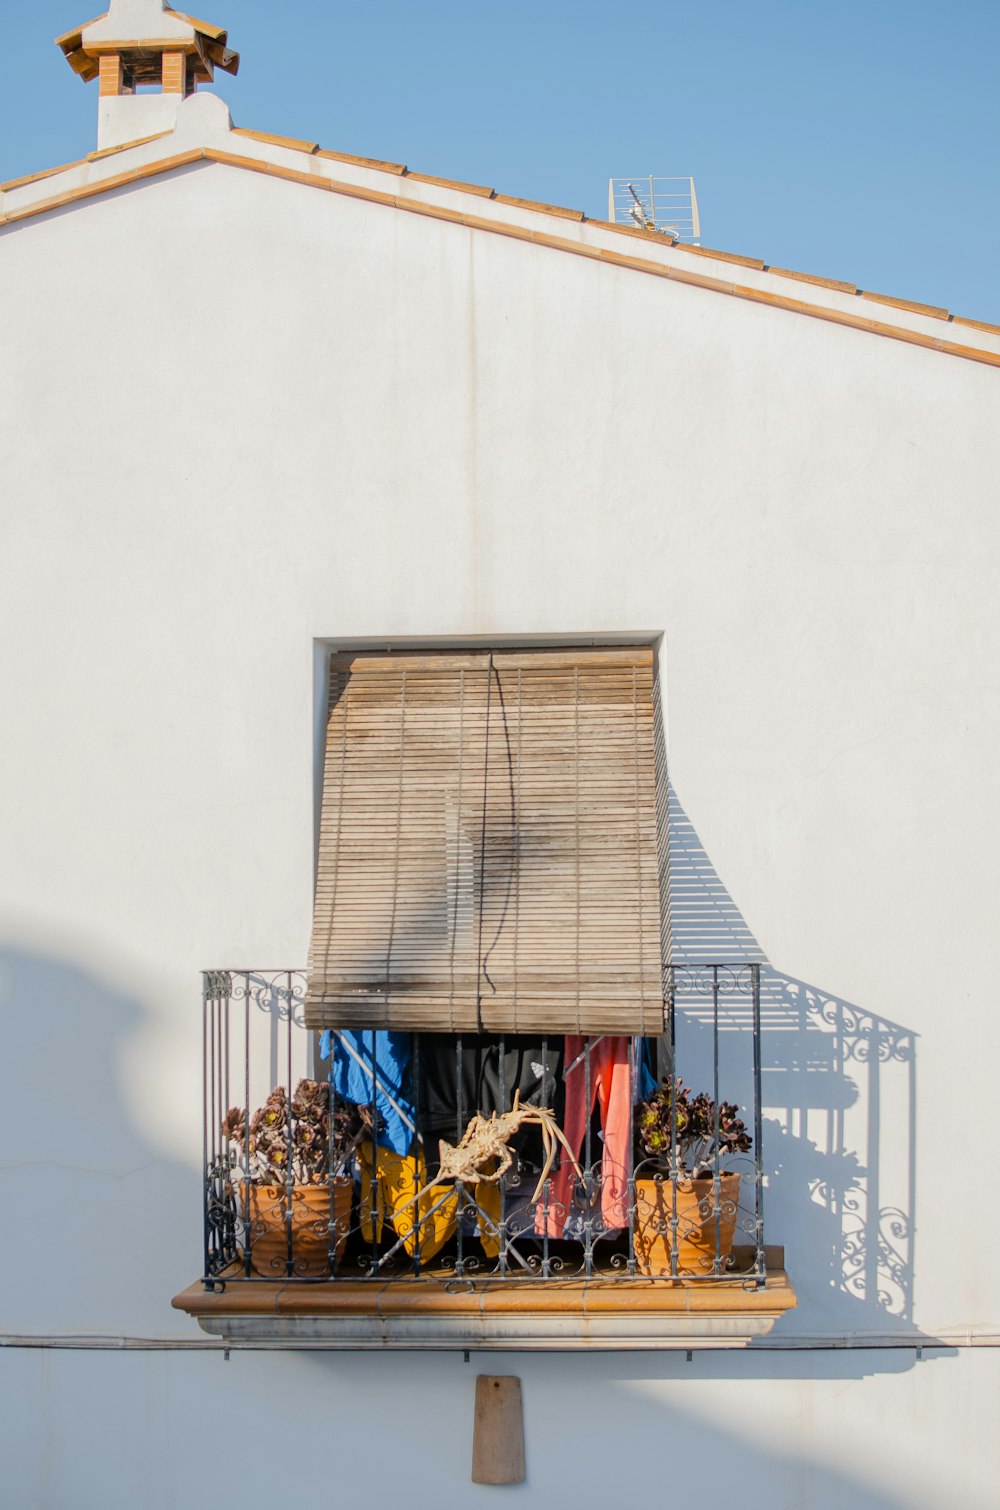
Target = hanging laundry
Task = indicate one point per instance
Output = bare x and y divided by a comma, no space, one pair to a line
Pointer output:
610,1081
454,1087
456,1084
387,1195
361,1057
648,1079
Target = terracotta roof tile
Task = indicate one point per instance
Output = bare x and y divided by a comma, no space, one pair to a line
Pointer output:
834,283
31,178
95,157
214,33
293,143
933,310
71,39
535,204
363,162
706,251
993,330
92,157
631,230
451,183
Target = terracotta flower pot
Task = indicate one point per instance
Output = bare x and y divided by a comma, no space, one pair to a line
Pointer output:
310,1228
696,1236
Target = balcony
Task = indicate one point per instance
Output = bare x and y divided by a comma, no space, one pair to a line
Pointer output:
596,1203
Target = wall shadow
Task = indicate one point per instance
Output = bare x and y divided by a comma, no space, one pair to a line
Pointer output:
99,1223
839,1105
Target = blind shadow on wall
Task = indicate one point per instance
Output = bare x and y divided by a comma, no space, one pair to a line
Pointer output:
839,1096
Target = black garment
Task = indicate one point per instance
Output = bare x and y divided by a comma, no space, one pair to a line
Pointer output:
531,1065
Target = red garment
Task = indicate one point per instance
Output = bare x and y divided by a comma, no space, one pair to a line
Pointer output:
609,1079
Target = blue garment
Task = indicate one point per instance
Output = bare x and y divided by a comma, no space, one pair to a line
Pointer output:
351,1078
647,1081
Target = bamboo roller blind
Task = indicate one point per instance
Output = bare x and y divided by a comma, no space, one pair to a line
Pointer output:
488,846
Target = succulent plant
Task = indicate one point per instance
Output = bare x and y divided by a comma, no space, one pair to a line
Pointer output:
306,1139
701,1130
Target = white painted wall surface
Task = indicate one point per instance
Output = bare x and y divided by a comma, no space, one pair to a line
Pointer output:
859,1432
127,118
238,418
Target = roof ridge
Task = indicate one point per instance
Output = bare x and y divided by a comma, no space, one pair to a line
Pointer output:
931,311
399,171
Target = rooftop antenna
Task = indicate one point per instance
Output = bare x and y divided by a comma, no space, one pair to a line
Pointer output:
638,212
668,206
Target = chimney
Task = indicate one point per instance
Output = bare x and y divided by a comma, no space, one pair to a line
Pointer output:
147,59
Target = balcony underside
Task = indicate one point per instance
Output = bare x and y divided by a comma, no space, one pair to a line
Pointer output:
512,1314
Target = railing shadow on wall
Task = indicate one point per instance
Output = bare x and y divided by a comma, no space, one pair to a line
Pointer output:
839,1102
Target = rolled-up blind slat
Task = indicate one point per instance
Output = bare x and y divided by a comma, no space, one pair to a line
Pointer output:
488,852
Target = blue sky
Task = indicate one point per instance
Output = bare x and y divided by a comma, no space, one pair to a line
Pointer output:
859,139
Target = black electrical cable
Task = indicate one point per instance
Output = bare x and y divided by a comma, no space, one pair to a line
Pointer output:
482,855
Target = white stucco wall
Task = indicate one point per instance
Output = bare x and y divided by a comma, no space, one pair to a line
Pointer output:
850,1431
120,118
239,419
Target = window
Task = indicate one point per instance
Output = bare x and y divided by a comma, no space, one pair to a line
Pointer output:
488,856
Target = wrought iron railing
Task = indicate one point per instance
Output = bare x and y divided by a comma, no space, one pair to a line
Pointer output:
283,1199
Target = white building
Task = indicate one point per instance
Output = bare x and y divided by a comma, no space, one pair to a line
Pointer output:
244,424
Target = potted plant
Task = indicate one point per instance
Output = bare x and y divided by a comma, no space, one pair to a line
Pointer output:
284,1169
688,1200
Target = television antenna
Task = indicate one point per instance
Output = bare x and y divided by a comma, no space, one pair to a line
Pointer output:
666,205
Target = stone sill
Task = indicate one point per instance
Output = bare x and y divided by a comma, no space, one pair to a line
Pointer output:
511,1314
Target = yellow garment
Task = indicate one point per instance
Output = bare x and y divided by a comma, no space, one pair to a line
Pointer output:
397,1180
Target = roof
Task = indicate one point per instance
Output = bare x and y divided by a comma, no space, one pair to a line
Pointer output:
478,207
83,49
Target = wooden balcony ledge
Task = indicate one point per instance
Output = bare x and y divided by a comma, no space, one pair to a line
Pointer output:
511,1314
